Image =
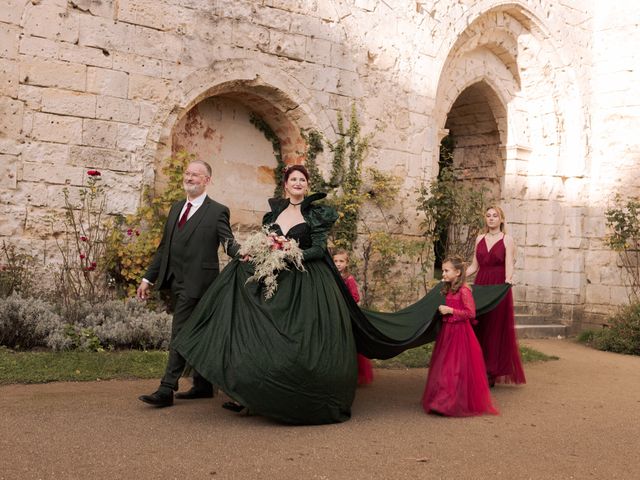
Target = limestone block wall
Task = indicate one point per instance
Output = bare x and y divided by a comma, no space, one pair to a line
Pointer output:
110,85
615,150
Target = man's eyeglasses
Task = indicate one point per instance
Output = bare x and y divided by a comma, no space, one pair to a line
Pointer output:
191,174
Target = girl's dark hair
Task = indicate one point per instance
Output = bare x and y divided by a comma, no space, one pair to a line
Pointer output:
458,264
289,169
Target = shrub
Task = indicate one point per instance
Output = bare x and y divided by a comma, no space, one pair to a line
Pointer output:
29,322
623,334
453,211
83,245
16,270
123,324
587,336
623,220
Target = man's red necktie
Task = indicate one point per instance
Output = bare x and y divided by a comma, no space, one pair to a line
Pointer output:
185,216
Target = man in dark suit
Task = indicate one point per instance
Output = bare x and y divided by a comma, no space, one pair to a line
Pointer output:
187,262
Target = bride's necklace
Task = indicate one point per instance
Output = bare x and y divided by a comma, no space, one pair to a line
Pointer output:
296,204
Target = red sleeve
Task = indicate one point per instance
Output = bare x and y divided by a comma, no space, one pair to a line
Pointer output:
468,310
353,287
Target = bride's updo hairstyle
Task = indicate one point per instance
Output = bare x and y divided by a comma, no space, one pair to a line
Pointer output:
289,169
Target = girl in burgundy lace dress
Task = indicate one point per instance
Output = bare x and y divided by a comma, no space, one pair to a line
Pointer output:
457,383
341,260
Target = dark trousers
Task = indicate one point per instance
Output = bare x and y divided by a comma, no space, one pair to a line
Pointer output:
183,306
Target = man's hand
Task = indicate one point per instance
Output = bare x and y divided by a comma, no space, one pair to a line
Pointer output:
143,291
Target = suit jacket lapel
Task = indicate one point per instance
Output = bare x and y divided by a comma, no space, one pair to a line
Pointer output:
174,214
196,218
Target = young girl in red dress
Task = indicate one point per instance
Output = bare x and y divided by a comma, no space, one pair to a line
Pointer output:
457,384
341,260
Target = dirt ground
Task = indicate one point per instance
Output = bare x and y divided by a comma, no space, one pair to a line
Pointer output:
578,417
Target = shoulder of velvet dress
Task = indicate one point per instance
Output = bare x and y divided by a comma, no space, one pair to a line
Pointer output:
276,205
317,214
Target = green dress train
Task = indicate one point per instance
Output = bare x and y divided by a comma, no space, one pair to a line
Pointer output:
293,357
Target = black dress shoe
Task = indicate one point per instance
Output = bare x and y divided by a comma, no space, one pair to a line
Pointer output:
158,399
233,406
194,392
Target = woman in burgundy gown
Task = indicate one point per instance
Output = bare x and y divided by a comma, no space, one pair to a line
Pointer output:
493,261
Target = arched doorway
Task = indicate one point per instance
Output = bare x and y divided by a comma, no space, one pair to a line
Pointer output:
470,168
474,139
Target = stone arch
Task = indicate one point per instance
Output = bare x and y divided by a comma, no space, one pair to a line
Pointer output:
506,46
476,123
233,89
516,37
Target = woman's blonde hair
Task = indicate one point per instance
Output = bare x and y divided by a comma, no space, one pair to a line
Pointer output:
459,265
503,220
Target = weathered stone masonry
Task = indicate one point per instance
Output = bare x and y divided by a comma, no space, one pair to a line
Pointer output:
541,97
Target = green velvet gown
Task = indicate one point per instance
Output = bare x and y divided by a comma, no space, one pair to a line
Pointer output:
293,357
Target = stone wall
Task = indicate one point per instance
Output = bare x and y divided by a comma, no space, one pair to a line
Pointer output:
111,84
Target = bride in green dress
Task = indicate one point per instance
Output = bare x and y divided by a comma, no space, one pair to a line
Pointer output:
292,357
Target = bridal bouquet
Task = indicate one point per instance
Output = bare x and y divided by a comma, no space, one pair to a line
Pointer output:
270,253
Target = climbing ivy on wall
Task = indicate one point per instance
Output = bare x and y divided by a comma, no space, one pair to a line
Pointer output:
314,147
348,154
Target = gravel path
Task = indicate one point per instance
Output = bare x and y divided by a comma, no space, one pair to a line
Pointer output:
578,417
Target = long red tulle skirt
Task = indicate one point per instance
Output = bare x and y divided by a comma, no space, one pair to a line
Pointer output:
496,329
457,383
365,370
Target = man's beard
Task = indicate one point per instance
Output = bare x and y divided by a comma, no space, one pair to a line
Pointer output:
193,190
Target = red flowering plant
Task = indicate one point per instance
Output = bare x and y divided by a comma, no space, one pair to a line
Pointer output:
83,244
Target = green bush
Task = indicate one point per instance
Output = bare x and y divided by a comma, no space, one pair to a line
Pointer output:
622,335
587,336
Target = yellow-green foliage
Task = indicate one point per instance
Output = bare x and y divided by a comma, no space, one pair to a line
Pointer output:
379,248
139,234
385,251
623,220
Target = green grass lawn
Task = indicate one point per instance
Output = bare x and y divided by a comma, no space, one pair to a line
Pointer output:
42,367
419,357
